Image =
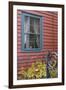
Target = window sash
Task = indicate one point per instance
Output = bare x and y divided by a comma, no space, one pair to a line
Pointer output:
28,33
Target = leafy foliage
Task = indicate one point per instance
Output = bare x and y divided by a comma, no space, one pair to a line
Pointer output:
36,71
53,73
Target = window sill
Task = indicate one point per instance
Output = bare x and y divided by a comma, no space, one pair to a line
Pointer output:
31,50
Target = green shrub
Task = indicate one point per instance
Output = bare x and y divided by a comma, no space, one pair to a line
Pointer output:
53,73
35,71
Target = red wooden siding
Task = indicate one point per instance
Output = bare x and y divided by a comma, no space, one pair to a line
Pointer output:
49,38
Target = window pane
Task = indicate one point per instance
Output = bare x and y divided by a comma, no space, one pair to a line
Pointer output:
34,39
34,25
26,24
31,37
37,41
26,41
31,24
37,26
31,44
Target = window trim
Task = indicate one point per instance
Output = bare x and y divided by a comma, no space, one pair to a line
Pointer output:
36,16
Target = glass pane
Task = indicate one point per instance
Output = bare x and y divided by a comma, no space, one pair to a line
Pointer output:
37,41
31,44
26,24
31,37
26,41
37,26
31,24
31,40
34,25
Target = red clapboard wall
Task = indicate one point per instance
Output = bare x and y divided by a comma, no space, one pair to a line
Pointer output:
49,37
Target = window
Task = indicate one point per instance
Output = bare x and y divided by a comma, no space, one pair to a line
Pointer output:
31,32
